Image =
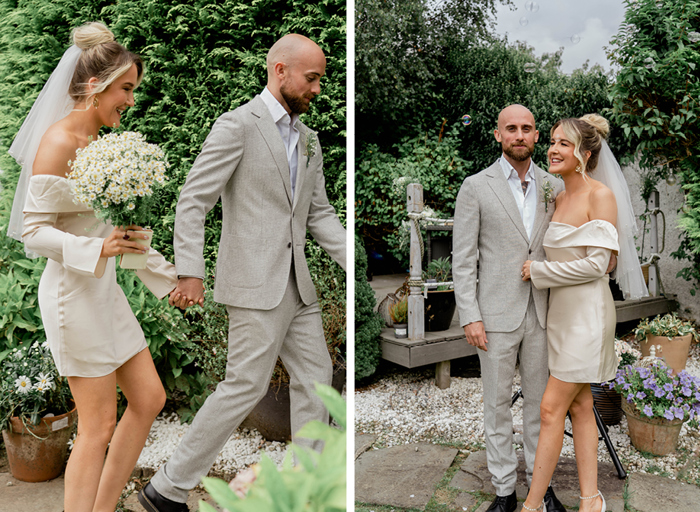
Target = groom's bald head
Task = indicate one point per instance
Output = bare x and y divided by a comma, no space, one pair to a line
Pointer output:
514,111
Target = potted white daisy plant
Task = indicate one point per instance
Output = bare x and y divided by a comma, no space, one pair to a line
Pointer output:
117,176
36,412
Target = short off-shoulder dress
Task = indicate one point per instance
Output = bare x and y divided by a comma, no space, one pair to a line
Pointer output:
89,324
581,316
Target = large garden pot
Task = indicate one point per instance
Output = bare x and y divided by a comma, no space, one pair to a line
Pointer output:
657,436
608,402
38,453
674,351
439,309
271,416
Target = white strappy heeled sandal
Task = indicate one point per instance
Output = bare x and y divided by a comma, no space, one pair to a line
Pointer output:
603,508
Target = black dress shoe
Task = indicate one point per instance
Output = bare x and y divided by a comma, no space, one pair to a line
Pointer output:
553,504
152,501
504,504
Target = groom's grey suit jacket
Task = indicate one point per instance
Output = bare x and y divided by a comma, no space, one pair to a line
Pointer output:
487,220
244,161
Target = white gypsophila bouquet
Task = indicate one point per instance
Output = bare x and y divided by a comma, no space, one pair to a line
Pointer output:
116,174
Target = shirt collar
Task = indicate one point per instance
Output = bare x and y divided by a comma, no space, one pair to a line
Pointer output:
509,171
277,111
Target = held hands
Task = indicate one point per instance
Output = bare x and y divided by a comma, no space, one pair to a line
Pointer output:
476,335
121,240
525,272
188,292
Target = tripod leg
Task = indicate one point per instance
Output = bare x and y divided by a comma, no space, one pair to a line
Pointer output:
621,473
517,395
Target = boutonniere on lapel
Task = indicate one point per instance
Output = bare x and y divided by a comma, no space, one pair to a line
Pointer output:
547,194
309,146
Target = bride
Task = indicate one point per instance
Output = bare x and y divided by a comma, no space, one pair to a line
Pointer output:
93,335
592,220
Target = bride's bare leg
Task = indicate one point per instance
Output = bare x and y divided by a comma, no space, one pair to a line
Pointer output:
96,401
585,433
555,403
144,392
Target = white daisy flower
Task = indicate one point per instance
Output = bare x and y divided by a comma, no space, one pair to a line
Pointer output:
23,384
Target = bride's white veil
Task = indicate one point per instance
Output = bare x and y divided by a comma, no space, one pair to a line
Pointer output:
628,272
53,104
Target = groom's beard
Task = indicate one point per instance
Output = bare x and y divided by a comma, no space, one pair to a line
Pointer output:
519,153
295,103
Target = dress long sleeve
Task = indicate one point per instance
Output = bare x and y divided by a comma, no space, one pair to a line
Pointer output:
552,274
159,276
45,200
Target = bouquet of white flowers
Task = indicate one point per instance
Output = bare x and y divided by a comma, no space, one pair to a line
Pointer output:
116,174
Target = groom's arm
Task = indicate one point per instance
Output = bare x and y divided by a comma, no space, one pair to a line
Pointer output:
323,223
211,171
464,253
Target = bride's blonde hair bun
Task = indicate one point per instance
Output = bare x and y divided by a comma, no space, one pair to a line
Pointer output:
90,35
102,58
599,123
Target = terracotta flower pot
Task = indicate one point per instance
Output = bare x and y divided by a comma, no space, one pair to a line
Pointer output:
657,436
673,351
41,456
137,261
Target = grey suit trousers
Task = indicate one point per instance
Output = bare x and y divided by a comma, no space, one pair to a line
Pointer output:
292,330
529,342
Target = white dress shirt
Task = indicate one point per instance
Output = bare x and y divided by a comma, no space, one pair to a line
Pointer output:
527,202
286,125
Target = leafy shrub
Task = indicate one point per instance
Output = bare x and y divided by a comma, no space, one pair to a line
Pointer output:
317,484
368,323
656,102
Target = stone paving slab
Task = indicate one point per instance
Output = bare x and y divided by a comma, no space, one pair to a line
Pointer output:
132,502
363,442
652,493
402,476
30,497
474,476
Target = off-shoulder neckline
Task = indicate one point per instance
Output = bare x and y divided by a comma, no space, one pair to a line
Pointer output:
48,176
579,227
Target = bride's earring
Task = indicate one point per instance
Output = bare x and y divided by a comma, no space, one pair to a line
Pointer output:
95,102
579,169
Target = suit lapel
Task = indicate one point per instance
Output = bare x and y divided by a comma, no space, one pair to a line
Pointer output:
498,183
539,210
272,138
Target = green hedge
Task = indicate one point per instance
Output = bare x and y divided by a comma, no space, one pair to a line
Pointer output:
368,323
202,59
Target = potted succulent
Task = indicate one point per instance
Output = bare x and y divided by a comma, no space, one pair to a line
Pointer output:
608,402
656,402
440,303
671,336
399,318
36,412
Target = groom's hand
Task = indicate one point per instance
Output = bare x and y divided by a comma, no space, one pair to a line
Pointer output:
476,335
188,292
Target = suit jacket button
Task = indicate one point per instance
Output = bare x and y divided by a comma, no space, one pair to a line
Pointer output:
289,245
530,251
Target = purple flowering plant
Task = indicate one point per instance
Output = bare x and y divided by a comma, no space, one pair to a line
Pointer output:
655,392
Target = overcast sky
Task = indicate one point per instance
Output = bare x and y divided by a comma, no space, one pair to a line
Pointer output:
553,24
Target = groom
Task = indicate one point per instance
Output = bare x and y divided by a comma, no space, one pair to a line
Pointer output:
500,219
267,167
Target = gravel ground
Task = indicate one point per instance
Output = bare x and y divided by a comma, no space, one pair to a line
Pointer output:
405,406
241,450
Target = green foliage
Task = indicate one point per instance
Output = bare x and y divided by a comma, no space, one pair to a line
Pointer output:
30,386
432,159
20,319
399,311
318,484
656,101
400,47
368,323
438,269
202,58
668,325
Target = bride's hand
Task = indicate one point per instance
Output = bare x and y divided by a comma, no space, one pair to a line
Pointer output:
525,272
121,240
